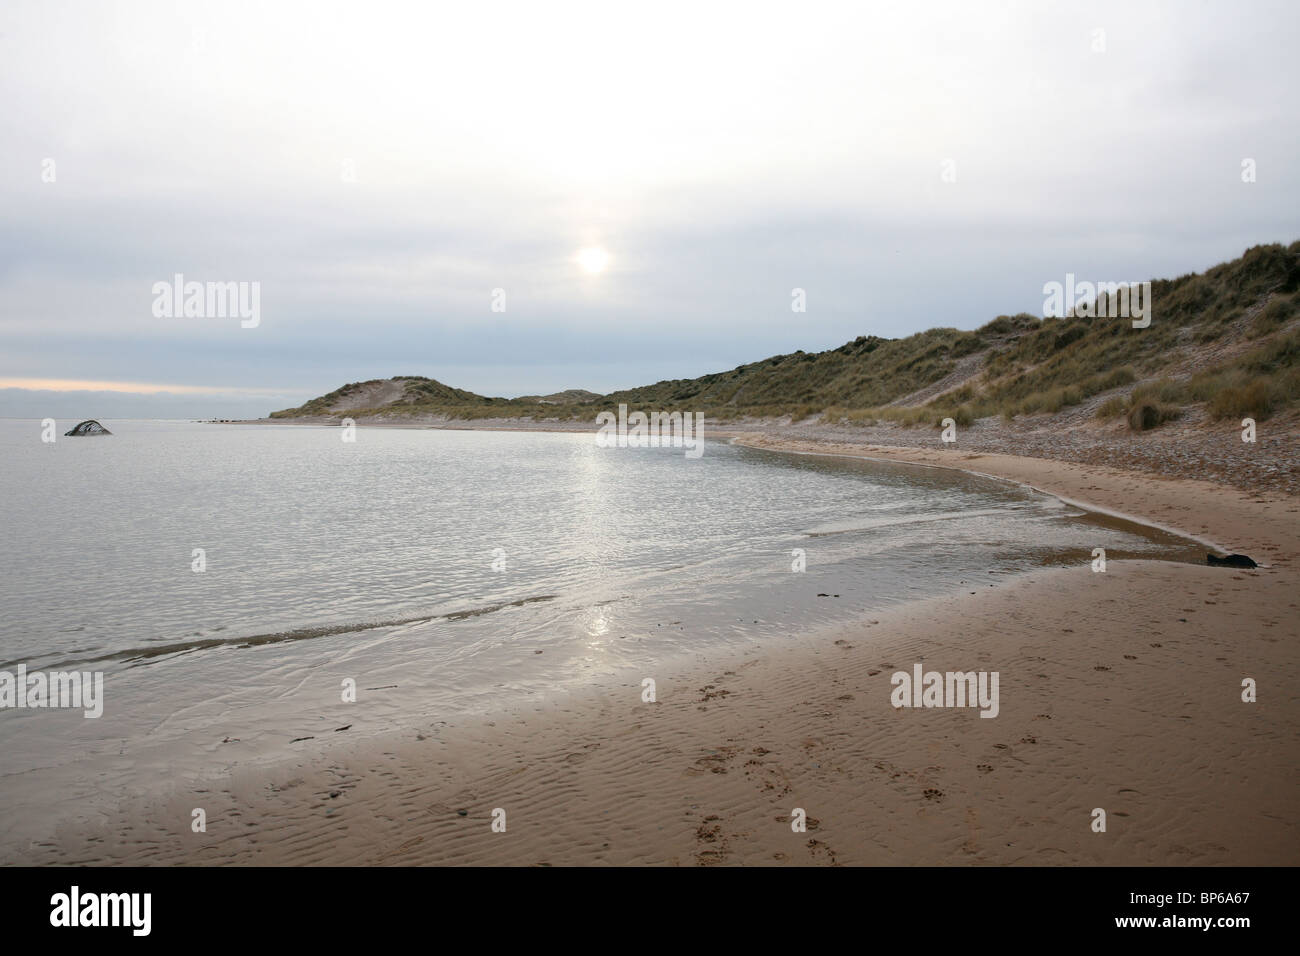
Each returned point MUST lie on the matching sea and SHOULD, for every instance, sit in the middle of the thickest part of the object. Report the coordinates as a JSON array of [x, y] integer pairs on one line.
[[247, 589]]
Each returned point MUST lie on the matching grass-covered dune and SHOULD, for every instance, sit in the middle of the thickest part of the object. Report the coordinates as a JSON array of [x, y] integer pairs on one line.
[[1226, 339]]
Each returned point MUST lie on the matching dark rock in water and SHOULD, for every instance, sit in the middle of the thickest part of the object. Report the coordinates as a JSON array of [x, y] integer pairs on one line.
[[1231, 561], [89, 427]]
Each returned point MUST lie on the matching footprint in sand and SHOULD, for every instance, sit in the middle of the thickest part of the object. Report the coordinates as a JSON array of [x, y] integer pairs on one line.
[[770, 777], [714, 844], [713, 763], [817, 846]]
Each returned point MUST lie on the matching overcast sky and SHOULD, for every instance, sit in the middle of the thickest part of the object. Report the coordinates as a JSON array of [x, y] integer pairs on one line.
[[381, 169]]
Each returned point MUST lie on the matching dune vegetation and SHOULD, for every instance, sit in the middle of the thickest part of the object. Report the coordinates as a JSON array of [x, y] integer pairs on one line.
[[1225, 340]]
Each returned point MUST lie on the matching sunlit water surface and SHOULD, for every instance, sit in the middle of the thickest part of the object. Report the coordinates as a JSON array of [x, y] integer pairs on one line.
[[445, 572]]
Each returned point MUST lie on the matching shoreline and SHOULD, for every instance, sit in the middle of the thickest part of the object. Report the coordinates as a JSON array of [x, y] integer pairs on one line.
[[881, 454], [1194, 447], [577, 762], [760, 436]]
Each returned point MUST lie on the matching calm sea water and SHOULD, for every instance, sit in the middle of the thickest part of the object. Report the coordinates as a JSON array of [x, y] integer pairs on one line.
[[443, 571]]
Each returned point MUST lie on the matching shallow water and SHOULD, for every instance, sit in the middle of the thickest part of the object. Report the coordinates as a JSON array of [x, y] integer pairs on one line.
[[444, 572]]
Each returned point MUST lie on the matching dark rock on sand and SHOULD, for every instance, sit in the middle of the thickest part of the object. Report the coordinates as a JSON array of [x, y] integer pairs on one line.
[[1231, 561]]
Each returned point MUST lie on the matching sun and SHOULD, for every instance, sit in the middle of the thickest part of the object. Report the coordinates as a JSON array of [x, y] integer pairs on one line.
[[593, 260]]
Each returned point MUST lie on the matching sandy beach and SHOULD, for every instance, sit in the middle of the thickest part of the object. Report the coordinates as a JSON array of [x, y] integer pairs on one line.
[[1119, 690]]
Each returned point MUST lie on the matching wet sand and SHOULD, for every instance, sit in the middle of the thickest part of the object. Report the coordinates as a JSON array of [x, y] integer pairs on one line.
[[1118, 690]]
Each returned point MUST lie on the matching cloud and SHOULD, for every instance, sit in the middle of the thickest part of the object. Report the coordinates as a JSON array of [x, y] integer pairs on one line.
[[381, 169]]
